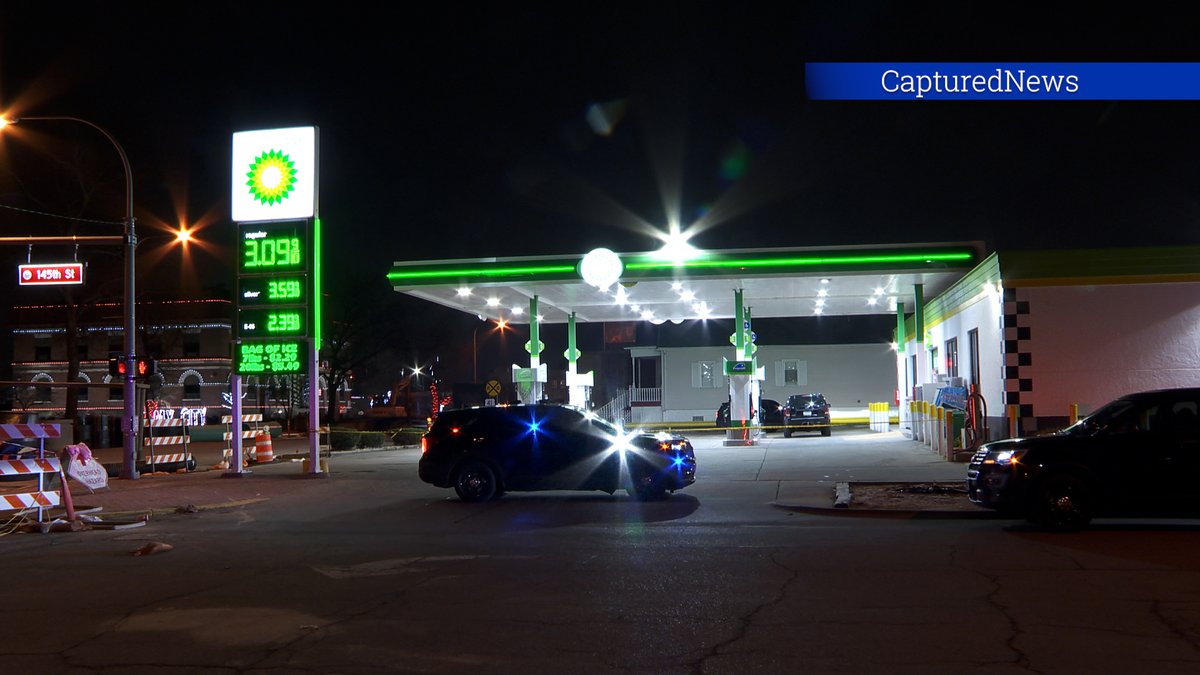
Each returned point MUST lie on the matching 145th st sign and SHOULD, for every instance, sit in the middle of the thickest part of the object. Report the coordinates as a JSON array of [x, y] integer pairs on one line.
[[50, 274]]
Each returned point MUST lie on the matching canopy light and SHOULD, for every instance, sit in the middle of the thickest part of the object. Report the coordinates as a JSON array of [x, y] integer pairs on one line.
[[600, 268]]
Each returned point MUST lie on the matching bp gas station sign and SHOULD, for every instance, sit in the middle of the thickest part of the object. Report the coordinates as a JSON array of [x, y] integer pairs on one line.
[[274, 188]]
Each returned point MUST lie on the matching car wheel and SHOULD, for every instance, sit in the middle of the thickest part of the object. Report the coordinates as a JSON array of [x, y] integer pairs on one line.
[[1063, 504], [644, 489], [476, 482], [827, 430], [787, 433]]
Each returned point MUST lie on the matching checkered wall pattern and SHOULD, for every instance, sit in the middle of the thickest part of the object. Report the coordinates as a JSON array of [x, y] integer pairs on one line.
[[1018, 352]]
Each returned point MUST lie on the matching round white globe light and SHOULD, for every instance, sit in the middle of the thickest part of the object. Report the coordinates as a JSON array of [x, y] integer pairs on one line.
[[601, 268]]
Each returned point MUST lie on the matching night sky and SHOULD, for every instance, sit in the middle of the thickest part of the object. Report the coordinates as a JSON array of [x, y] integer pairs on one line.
[[464, 131]]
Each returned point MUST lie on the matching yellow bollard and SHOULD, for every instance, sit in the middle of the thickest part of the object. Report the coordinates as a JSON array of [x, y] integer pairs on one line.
[[1013, 421], [1073, 415]]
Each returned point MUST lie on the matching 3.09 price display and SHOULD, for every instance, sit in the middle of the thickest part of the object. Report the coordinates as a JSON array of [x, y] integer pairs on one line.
[[274, 247]]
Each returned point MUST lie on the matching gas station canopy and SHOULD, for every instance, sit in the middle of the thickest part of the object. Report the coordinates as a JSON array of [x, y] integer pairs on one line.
[[776, 282]]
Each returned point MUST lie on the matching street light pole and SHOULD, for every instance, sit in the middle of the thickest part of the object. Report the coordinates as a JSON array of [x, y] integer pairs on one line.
[[129, 418]]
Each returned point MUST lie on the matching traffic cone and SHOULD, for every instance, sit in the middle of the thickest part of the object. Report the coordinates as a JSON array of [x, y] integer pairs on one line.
[[262, 448]]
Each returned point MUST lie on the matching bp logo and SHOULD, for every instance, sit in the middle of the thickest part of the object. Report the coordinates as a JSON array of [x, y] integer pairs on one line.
[[272, 177]]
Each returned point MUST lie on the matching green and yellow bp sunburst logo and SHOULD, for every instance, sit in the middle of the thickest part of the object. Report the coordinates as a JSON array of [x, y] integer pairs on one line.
[[272, 177]]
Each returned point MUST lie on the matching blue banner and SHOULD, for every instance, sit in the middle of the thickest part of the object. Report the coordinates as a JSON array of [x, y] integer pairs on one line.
[[1003, 81]]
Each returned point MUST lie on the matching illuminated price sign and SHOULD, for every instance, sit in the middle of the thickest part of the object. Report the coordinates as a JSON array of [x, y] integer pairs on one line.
[[269, 248], [271, 357], [273, 290], [268, 323]]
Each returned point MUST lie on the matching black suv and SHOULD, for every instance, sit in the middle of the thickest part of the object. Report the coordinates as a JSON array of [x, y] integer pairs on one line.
[[1138, 455], [770, 414], [483, 452], [806, 412]]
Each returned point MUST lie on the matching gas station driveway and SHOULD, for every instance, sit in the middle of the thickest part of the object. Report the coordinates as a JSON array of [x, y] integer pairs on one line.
[[803, 470]]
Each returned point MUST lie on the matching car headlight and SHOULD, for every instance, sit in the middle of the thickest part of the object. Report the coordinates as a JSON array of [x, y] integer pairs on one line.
[[1004, 457]]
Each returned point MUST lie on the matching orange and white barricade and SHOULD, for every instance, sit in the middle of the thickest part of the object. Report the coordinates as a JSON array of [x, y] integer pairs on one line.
[[153, 457], [252, 454], [41, 498]]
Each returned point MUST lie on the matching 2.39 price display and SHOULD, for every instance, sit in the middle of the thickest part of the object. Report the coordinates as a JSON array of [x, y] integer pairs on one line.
[[255, 323]]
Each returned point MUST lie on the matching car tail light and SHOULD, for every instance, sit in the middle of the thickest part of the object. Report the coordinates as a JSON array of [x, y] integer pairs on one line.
[[424, 444]]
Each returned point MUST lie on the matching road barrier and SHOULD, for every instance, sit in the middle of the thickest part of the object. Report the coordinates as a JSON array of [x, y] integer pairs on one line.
[[252, 454], [155, 458], [41, 499]]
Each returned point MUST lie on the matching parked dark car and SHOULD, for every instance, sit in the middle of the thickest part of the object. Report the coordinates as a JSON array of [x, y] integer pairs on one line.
[[770, 414], [1137, 455], [806, 412], [484, 452]]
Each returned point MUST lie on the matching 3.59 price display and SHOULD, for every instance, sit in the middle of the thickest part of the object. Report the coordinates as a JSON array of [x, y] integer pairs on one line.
[[272, 290]]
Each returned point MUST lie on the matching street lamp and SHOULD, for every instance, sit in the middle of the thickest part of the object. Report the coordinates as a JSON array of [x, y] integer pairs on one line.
[[501, 324], [129, 417]]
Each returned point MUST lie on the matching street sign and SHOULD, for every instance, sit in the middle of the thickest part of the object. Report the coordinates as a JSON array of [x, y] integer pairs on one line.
[[52, 274], [492, 388]]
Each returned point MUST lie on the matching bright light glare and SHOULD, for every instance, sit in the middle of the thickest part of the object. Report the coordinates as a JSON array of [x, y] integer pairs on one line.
[[183, 235], [501, 324], [647, 314], [518, 311], [676, 286], [880, 291], [872, 301], [463, 292], [824, 281], [820, 302], [687, 296], [675, 246], [823, 292], [493, 302], [622, 296]]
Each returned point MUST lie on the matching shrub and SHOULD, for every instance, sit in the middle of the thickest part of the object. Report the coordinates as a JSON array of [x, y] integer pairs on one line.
[[372, 439], [343, 439]]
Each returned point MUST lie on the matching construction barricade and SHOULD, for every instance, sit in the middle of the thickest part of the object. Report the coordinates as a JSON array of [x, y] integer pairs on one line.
[[41, 498], [250, 455], [157, 437]]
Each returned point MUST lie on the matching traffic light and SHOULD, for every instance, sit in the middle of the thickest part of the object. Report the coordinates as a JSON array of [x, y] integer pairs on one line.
[[143, 367]]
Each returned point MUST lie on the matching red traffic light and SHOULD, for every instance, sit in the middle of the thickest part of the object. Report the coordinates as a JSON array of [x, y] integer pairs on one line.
[[142, 368]]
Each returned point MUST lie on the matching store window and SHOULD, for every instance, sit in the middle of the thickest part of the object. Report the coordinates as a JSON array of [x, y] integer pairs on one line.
[[952, 357]]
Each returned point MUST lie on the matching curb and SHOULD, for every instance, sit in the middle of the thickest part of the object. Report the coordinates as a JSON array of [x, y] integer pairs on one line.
[[899, 514]]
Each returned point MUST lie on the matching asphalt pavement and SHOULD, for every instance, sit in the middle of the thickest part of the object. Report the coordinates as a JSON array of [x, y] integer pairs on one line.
[[808, 470]]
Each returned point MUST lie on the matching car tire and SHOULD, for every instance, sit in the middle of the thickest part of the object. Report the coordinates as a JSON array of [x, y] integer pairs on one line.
[[645, 490], [475, 481], [1063, 504], [827, 430], [787, 433]]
